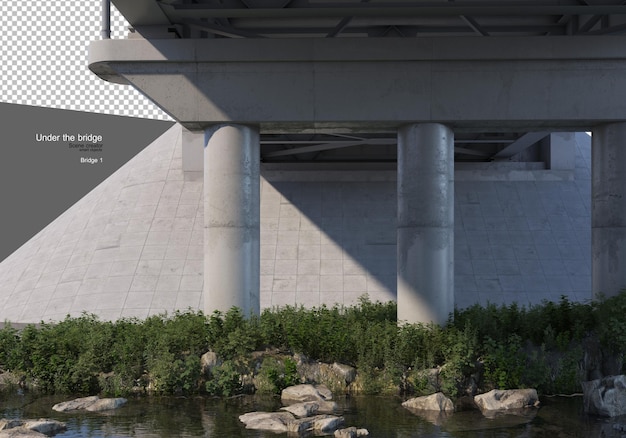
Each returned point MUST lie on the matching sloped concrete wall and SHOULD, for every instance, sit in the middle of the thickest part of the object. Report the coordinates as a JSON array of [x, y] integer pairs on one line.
[[520, 236], [133, 246]]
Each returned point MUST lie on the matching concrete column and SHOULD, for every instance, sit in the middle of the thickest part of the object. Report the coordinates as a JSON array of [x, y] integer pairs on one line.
[[608, 215], [425, 223], [231, 218]]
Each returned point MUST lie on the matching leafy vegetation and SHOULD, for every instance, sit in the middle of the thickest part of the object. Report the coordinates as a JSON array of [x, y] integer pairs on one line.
[[479, 348]]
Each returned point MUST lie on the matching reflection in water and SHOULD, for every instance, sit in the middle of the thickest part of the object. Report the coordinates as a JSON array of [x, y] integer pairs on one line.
[[382, 416]]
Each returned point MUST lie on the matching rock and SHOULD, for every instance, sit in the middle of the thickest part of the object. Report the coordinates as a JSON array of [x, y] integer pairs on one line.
[[30, 428], [45, 426], [498, 399], [305, 393], [351, 432], [346, 371], [434, 402], [326, 424], [20, 432], [605, 397], [306, 409], [76, 404], [427, 380], [10, 424], [267, 421], [208, 361], [92, 404], [301, 410], [106, 404], [338, 377]]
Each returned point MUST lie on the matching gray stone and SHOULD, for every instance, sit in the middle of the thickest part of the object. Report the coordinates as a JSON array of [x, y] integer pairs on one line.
[[498, 399], [605, 397], [20, 432], [106, 404], [434, 402], [92, 404], [306, 409], [208, 361], [10, 424], [30, 428], [351, 432], [45, 426], [268, 421], [305, 393], [327, 423], [76, 404], [346, 371]]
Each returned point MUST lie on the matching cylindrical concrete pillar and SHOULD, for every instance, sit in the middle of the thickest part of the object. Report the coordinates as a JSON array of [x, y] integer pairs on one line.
[[425, 223], [231, 218], [608, 209]]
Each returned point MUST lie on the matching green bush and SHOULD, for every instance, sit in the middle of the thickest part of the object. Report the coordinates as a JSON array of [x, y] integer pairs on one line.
[[516, 346], [226, 380]]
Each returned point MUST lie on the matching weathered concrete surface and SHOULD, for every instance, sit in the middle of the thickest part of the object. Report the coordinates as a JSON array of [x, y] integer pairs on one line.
[[232, 219], [519, 83], [425, 223], [608, 214]]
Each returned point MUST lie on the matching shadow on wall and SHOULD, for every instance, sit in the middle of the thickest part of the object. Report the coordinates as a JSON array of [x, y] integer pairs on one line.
[[515, 241], [327, 242]]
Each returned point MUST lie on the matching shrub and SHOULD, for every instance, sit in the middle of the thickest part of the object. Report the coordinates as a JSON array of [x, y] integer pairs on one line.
[[517, 346]]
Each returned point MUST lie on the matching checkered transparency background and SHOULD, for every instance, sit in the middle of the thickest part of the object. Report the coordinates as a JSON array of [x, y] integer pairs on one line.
[[43, 59]]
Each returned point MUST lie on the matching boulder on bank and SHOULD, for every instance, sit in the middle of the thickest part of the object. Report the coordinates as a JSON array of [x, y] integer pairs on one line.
[[498, 399], [268, 421], [605, 397], [208, 362], [91, 404], [30, 428], [434, 402], [20, 432], [305, 393], [351, 432], [318, 424], [307, 409], [281, 422]]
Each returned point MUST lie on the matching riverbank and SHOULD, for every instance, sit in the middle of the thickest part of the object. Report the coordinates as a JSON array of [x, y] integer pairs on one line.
[[361, 349]]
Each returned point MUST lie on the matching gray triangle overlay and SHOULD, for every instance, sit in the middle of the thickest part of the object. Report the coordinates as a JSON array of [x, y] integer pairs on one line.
[[41, 176]]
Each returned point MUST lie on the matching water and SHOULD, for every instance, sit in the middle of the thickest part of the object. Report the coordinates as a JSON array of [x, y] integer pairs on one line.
[[382, 416]]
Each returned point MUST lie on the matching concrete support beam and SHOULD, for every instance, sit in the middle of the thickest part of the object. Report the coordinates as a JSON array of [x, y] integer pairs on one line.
[[425, 223], [349, 84], [193, 150], [559, 151], [232, 218], [608, 216]]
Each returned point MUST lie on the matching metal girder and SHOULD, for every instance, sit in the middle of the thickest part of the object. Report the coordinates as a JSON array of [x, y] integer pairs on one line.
[[227, 31], [342, 10], [474, 25], [328, 146], [525, 141], [467, 151]]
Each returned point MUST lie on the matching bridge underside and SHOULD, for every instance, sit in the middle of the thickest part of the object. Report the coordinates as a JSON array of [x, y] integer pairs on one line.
[[416, 104]]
